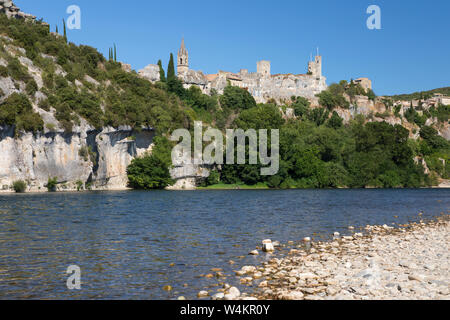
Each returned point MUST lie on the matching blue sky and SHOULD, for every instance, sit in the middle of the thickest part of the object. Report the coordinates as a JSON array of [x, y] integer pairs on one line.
[[410, 53]]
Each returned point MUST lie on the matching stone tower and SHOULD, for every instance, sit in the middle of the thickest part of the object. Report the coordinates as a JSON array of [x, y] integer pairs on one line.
[[318, 66], [263, 68], [315, 67], [183, 59]]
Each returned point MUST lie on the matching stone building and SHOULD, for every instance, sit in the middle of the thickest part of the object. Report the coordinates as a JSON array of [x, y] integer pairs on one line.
[[366, 83], [12, 11], [183, 59], [262, 84]]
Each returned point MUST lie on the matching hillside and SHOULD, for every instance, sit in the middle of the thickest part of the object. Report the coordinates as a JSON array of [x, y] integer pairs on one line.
[[66, 83], [71, 119], [422, 94]]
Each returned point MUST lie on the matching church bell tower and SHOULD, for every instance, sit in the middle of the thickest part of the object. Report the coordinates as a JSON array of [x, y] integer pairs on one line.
[[183, 59]]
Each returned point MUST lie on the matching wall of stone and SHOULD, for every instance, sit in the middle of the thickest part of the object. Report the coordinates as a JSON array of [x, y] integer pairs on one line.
[[9, 8], [36, 158]]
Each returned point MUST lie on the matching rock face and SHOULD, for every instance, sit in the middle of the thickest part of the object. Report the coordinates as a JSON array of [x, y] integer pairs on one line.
[[188, 176], [197, 78], [150, 72], [7, 7], [96, 158]]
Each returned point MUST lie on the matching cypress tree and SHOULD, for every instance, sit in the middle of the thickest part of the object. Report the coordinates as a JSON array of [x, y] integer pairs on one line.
[[171, 69], [115, 53], [56, 30], [65, 32], [162, 74]]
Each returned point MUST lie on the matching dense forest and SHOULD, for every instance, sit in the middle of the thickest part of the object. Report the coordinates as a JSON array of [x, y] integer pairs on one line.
[[317, 149]]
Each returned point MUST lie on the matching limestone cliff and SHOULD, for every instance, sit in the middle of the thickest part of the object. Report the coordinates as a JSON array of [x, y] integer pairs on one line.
[[97, 159]]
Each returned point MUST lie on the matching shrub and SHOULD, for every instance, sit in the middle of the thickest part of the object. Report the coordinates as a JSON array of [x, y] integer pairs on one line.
[[301, 106], [19, 186], [17, 110], [214, 178], [152, 171], [79, 184], [330, 100], [87, 154], [51, 184], [44, 104], [237, 98], [51, 127], [4, 72], [17, 71], [31, 87]]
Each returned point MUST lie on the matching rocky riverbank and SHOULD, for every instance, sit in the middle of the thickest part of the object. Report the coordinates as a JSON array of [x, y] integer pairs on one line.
[[410, 262]]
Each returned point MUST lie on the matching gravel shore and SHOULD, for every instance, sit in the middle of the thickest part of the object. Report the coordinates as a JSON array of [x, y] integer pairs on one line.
[[410, 262]]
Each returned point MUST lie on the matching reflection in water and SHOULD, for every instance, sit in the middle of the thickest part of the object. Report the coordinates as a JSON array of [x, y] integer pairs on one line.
[[131, 244]]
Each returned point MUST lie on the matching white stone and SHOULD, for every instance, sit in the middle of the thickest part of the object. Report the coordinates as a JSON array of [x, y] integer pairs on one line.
[[203, 294]]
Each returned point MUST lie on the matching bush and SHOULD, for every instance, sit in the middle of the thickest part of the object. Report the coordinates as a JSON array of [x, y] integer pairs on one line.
[[17, 110], [237, 98], [79, 184], [17, 71], [214, 178], [4, 72], [31, 87], [330, 101], [87, 154], [152, 171], [301, 106], [44, 104], [19, 186], [51, 184]]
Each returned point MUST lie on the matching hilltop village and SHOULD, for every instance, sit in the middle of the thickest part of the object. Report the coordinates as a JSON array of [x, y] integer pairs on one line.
[[262, 84]]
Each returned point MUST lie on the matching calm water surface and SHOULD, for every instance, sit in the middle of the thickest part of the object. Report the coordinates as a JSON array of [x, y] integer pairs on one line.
[[125, 242]]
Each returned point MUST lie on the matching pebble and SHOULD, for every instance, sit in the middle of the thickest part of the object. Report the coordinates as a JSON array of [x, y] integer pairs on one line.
[[268, 246], [203, 294], [218, 296], [410, 263]]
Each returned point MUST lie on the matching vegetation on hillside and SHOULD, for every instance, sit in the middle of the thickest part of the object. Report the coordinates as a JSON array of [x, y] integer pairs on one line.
[[421, 95], [79, 82], [317, 149]]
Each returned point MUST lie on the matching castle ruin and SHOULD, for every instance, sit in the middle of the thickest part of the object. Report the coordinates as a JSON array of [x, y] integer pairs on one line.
[[262, 84]]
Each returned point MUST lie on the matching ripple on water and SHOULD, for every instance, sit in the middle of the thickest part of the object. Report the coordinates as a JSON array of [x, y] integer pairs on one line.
[[129, 245]]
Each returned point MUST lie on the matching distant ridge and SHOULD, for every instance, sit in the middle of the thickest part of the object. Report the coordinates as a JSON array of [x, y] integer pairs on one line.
[[421, 94]]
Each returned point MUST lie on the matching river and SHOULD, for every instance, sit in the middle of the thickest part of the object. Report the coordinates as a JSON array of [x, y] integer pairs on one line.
[[131, 244]]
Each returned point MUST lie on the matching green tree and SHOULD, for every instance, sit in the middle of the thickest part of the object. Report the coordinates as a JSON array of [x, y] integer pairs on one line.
[[19, 186], [65, 31], [301, 106], [152, 171], [17, 110], [265, 116], [335, 121], [51, 184], [162, 74], [171, 69], [237, 98]]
